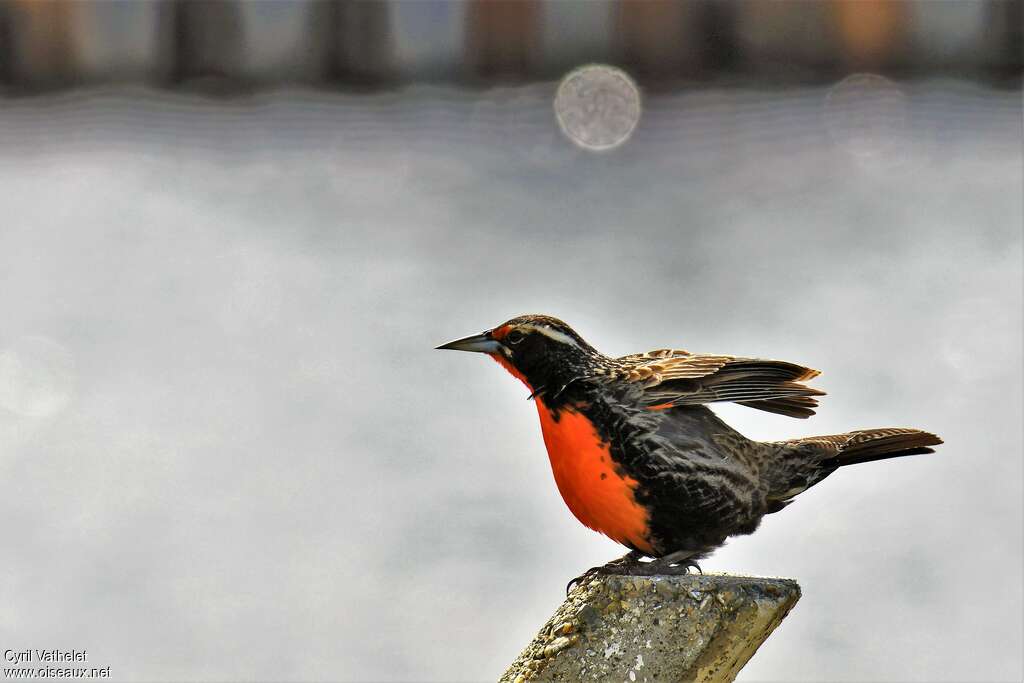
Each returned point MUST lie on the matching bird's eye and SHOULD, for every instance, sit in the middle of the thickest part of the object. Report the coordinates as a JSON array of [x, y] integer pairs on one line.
[[514, 337]]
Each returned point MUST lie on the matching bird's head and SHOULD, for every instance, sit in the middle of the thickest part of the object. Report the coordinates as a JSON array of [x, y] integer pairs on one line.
[[540, 350]]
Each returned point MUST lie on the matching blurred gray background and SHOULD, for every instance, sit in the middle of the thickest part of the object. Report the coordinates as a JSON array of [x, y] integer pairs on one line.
[[232, 235]]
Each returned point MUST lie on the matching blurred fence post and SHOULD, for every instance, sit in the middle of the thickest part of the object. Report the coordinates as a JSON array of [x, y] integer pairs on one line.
[[38, 42], [235, 44]]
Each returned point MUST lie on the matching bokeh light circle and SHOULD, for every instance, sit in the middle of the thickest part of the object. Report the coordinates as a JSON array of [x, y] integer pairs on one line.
[[597, 106]]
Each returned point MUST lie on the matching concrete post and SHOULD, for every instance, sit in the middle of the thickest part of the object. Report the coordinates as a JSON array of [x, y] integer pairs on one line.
[[656, 628]]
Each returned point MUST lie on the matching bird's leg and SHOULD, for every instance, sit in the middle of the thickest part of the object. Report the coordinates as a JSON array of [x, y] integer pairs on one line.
[[678, 562], [622, 565]]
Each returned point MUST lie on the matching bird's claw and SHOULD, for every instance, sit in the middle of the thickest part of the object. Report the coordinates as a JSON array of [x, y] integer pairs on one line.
[[685, 566], [630, 565], [621, 565], [582, 578]]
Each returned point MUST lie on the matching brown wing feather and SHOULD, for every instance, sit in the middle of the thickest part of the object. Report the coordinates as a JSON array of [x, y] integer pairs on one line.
[[683, 378], [801, 407], [651, 355]]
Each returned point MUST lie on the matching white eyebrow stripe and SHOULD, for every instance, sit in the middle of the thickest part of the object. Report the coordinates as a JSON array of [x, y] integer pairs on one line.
[[552, 334]]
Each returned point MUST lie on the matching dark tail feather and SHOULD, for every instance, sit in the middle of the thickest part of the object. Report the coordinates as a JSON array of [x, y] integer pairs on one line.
[[811, 459], [868, 445]]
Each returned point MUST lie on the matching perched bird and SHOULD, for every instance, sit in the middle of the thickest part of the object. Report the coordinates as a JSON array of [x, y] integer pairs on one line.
[[638, 456]]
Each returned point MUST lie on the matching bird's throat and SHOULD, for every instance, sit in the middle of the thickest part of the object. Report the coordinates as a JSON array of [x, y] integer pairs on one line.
[[512, 370]]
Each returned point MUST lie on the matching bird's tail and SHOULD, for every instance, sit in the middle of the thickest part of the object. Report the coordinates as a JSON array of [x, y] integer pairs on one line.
[[867, 445], [805, 462]]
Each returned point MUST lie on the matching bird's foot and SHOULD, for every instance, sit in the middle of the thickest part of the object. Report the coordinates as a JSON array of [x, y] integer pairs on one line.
[[622, 565], [674, 564]]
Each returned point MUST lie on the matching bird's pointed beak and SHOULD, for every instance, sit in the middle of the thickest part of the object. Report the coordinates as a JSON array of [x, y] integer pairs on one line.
[[480, 343]]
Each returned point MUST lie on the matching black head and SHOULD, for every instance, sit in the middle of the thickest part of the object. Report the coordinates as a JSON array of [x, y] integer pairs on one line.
[[540, 350]]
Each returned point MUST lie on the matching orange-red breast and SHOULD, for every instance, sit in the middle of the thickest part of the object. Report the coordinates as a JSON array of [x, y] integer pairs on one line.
[[638, 456]]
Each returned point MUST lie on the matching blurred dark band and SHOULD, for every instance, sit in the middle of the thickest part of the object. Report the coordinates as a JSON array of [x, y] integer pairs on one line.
[[231, 45]]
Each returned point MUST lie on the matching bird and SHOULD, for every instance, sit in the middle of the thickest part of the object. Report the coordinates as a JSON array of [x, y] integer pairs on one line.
[[638, 455]]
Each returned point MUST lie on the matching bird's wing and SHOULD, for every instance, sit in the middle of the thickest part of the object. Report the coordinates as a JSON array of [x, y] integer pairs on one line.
[[670, 377], [653, 355]]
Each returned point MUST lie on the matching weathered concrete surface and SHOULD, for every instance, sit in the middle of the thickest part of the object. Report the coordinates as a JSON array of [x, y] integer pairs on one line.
[[656, 628]]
